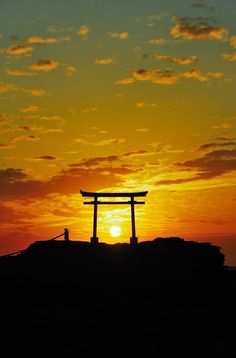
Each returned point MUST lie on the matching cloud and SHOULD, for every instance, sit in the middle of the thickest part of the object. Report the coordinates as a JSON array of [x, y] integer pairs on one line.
[[199, 4], [144, 104], [18, 73], [167, 76], [222, 126], [44, 65], [212, 165], [94, 162], [6, 87], [104, 61], [230, 57], [17, 184], [158, 41], [233, 41], [20, 49], [49, 40], [143, 130], [5, 146], [89, 110], [111, 141], [179, 60], [35, 92], [70, 70], [46, 157], [31, 138], [125, 81], [119, 35], [83, 32], [29, 109], [216, 145], [195, 73], [156, 76], [196, 29]]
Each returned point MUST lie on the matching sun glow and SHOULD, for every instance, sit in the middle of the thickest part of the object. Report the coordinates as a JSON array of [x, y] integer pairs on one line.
[[115, 231]]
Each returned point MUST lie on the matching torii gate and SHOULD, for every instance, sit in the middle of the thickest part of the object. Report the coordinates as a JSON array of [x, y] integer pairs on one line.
[[96, 202]]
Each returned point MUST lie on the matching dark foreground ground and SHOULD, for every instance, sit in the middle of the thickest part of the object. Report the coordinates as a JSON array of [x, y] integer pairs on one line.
[[164, 298]]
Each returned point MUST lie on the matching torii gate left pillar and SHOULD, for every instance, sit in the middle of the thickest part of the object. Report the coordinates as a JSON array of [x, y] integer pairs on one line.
[[96, 202]]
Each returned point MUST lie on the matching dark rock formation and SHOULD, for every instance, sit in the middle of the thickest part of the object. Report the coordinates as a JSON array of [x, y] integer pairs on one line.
[[166, 297]]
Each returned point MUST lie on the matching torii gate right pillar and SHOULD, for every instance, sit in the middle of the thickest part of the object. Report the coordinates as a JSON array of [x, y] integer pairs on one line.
[[133, 239]]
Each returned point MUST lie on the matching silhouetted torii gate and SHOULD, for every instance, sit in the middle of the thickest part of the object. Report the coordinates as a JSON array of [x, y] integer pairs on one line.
[[96, 202]]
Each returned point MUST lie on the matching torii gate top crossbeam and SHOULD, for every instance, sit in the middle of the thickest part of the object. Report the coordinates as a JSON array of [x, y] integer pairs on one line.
[[112, 195]]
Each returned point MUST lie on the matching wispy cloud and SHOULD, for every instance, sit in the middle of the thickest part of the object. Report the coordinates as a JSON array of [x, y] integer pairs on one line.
[[46, 40], [230, 57], [84, 32], [46, 157], [157, 41], [167, 76], [179, 60], [44, 65], [19, 49], [71, 70], [119, 35], [29, 109], [17, 73], [145, 104], [195, 29], [104, 61], [212, 165]]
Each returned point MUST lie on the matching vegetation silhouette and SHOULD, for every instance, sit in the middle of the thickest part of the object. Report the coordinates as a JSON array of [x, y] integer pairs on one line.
[[160, 297]]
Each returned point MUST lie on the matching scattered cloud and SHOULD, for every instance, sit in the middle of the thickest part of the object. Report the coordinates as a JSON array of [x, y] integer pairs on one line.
[[199, 4], [216, 145], [48, 40], [29, 109], [46, 157], [212, 165], [156, 76], [233, 41], [167, 76], [70, 70], [222, 126], [125, 81], [55, 29], [104, 61], [230, 57], [179, 60], [17, 184], [83, 32], [104, 142], [31, 138], [195, 73], [143, 130], [19, 49], [44, 65], [90, 110], [196, 29], [6, 87], [144, 104], [157, 41], [119, 35], [36, 92], [17, 73]]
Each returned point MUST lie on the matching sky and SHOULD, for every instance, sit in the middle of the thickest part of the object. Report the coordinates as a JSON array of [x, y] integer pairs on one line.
[[128, 95]]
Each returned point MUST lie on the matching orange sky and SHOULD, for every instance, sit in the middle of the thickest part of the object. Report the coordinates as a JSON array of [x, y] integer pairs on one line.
[[118, 96]]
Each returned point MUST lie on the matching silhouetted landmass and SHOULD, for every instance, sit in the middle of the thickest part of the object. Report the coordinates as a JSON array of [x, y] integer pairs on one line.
[[161, 297]]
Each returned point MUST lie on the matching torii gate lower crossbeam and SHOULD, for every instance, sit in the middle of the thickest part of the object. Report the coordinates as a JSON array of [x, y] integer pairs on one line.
[[96, 202]]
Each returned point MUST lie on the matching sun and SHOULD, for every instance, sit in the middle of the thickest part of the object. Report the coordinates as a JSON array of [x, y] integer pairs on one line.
[[115, 231]]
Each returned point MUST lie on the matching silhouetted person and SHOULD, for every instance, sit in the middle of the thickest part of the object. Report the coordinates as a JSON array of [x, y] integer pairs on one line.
[[66, 234]]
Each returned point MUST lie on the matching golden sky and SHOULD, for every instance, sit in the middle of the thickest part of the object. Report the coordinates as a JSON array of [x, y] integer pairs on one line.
[[106, 95]]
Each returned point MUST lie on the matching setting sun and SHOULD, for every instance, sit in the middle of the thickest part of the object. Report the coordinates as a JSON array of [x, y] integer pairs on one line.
[[115, 231]]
